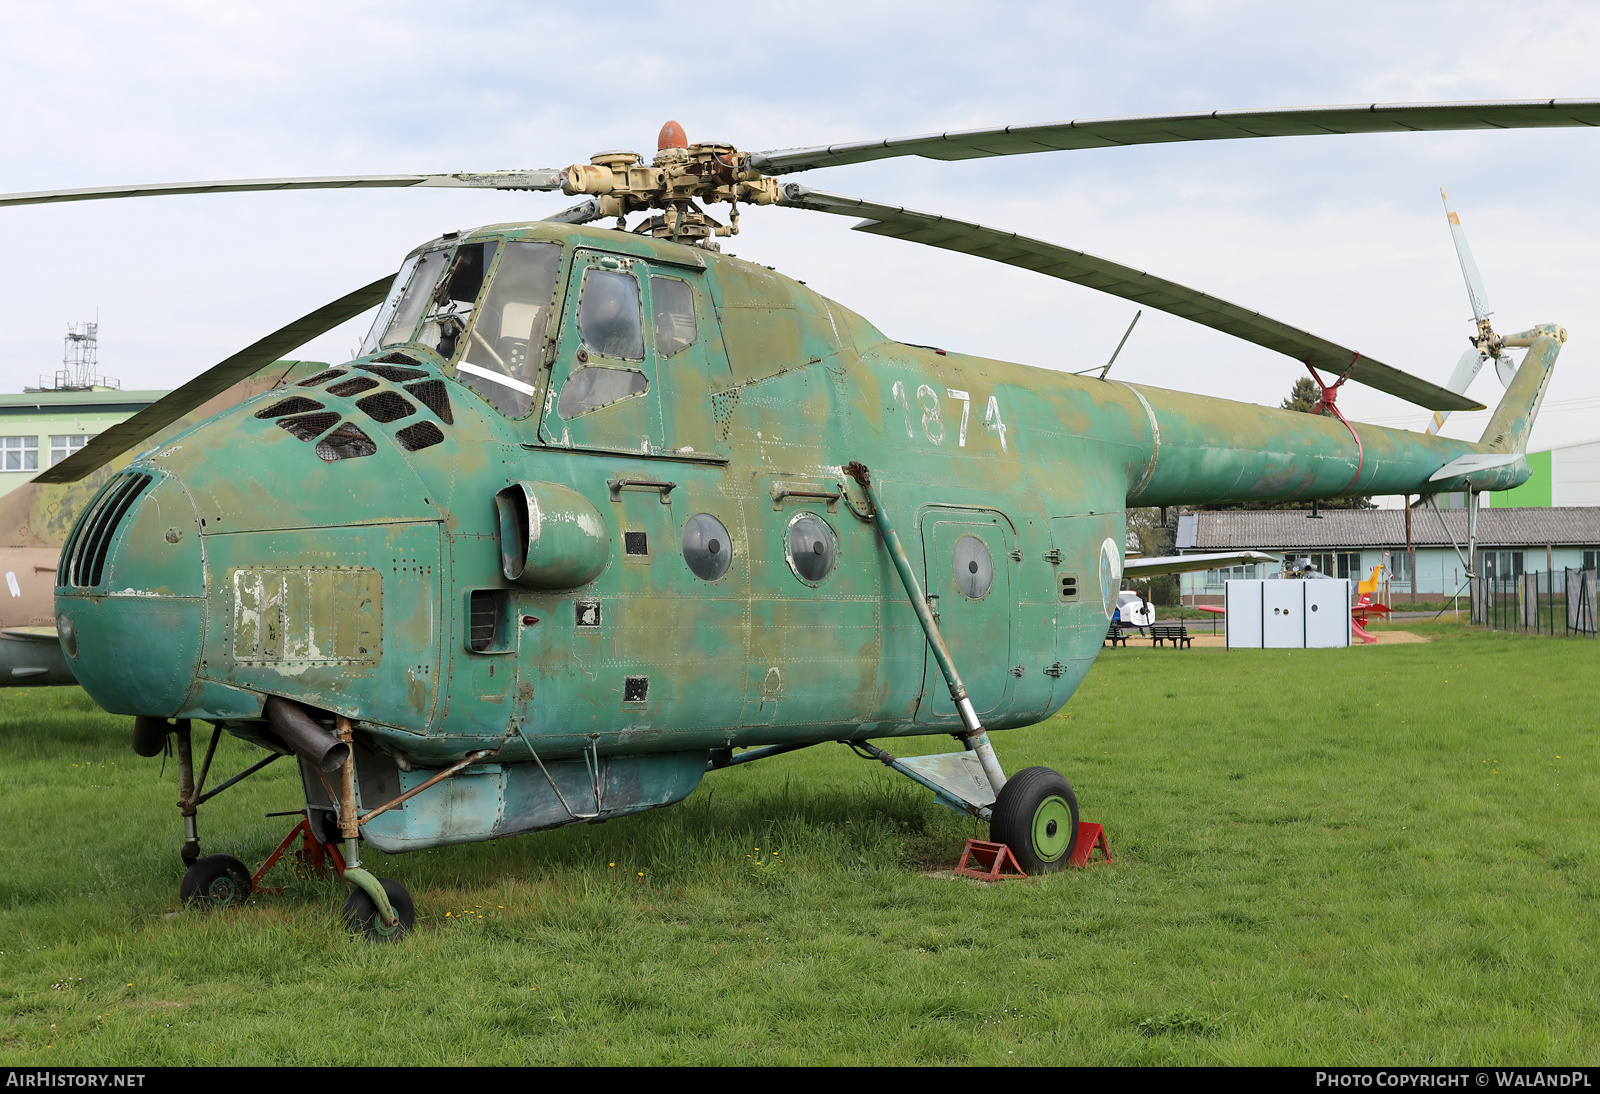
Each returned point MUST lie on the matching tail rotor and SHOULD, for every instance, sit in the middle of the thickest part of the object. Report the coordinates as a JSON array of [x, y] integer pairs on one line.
[[1486, 345]]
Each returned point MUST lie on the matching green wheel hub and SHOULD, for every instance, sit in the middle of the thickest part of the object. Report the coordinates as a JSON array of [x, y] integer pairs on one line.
[[1052, 828]]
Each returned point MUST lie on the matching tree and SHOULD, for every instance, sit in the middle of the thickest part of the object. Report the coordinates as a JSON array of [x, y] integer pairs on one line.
[[1302, 397]]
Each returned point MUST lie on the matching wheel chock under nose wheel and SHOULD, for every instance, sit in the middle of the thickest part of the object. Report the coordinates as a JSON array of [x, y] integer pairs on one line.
[[988, 862], [1090, 836]]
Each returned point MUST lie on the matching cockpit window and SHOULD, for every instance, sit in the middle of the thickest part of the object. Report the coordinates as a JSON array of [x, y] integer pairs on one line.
[[407, 311], [673, 302], [608, 315], [501, 360], [451, 303]]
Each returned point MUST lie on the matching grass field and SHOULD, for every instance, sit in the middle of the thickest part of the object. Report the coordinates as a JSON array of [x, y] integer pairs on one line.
[[1378, 855]]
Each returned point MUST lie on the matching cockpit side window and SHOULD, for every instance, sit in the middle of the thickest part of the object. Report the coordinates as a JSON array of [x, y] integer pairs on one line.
[[673, 302], [608, 315], [414, 300], [501, 360], [456, 293]]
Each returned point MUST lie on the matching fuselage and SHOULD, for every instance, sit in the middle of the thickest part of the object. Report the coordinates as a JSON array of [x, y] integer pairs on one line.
[[337, 541]]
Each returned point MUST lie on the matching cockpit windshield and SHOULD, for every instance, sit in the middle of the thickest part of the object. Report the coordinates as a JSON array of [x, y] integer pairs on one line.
[[501, 360]]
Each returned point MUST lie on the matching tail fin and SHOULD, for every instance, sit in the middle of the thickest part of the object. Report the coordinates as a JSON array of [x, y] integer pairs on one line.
[[1512, 421]]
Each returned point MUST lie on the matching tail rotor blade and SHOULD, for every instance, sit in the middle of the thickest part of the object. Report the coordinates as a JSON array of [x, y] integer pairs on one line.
[[1461, 378], [1469, 268], [1505, 368], [216, 379]]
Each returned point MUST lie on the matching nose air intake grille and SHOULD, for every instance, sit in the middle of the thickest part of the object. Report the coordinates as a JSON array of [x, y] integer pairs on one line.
[[432, 394], [299, 404], [386, 406], [353, 387], [345, 443], [83, 560], [392, 374], [396, 358], [420, 435], [321, 377]]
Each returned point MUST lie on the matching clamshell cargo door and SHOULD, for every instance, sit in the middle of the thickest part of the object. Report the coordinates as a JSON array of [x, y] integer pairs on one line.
[[604, 391], [967, 579]]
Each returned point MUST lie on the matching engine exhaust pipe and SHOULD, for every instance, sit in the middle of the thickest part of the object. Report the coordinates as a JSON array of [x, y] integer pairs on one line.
[[303, 735]]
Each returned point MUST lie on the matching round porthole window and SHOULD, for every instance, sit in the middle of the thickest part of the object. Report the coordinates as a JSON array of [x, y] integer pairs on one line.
[[812, 548], [974, 567], [706, 546]]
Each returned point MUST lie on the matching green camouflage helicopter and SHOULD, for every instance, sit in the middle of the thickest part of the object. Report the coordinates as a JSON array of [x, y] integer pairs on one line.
[[595, 511]]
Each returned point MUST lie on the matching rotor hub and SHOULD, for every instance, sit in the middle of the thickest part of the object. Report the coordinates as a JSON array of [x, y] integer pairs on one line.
[[680, 175]]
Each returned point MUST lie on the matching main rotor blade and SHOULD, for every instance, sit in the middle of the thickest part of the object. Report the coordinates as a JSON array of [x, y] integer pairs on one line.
[[216, 379], [1130, 284], [1013, 140], [487, 180]]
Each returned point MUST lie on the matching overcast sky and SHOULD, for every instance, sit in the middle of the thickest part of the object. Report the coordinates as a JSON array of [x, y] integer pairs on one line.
[[1344, 236]]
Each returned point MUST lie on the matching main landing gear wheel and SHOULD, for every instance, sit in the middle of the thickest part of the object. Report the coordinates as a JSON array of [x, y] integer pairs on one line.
[[1036, 816], [215, 881], [361, 913]]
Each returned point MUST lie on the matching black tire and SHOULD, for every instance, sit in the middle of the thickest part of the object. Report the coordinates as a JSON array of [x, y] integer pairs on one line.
[[361, 913], [1031, 817], [215, 881]]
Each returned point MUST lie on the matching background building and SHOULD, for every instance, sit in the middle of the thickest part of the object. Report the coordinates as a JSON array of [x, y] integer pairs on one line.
[[1569, 475], [1349, 542], [42, 428]]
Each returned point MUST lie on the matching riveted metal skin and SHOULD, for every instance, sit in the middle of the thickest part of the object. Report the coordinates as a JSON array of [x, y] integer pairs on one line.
[[251, 568]]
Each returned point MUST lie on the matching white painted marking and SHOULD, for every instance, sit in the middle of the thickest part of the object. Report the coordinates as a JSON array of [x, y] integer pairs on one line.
[[495, 377], [991, 419], [11, 583], [966, 410]]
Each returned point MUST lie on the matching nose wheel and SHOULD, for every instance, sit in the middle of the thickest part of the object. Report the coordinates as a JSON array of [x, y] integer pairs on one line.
[[361, 913], [1036, 815]]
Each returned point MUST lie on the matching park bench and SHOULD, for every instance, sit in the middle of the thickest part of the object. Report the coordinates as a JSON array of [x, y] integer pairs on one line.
[[1115, 636], [1176, 633]]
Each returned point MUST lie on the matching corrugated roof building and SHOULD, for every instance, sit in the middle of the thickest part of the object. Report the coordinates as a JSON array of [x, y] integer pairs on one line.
[[1350, 542]]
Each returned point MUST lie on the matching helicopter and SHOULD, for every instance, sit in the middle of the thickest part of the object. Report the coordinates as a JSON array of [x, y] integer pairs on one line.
[[595, 511]]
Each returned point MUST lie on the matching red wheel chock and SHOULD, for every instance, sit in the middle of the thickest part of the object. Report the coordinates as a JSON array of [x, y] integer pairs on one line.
[[1090, 836], [993, 862]]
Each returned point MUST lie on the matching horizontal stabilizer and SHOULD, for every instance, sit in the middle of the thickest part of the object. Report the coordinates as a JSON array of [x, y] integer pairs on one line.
[[1184, 564], [1466, 465]]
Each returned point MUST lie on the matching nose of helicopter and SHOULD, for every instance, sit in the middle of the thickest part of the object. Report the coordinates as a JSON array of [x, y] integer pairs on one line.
[[130, 588]]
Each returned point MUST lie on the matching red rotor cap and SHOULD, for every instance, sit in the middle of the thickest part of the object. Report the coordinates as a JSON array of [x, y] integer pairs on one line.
[[672, 136]]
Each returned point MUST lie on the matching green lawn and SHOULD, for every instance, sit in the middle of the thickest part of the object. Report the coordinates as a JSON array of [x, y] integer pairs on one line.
[[1374, 855]]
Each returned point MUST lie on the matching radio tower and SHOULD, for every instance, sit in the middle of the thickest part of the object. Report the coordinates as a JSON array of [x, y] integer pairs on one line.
[[80, 361]]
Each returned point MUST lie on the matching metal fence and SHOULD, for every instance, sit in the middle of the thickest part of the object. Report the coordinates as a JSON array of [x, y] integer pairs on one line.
[[1554, 602]]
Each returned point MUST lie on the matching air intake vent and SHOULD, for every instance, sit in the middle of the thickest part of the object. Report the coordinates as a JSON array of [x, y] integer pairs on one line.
[[310, 426], [354, 386], [297, 405], [392, 374], [421, 435], [396, 358], [345, 443], [386, 406], [433, 395], [486, 630], [84, 558], [322, 377]]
